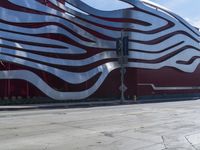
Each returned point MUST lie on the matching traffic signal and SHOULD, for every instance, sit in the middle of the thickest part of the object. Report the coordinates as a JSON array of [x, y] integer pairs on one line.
[[125, 46], [122, 46], [119, 46]]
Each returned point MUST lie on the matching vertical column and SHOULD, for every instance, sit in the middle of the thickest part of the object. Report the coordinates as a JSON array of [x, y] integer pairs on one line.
[[122, 49]]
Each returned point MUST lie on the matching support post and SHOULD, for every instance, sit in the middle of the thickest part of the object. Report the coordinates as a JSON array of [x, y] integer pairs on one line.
[[122, 52]]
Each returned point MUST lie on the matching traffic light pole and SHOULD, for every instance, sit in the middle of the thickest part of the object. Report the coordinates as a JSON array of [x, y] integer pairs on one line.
[[122, 52], [122, 81], [122, 70]]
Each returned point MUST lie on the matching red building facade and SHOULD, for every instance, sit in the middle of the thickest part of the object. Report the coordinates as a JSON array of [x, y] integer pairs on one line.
[[49, 49]]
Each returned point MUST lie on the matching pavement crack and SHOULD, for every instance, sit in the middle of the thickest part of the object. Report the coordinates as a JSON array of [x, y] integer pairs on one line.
[[164, 143], [190, 143]]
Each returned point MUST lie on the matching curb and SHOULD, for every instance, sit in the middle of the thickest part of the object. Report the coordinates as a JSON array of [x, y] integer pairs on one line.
[[60, 105], [88, 104]]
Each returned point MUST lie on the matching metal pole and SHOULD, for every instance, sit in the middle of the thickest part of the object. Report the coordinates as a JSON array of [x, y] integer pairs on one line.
[[122, 53], [122, 69], [122, 81]]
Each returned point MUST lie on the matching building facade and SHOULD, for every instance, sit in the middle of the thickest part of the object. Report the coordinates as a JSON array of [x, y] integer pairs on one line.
[[48, 49]]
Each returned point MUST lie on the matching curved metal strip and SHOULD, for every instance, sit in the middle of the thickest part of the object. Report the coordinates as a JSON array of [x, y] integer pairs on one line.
[[33, 48], [137, 15], [70, 77], [106, 32], [170, 88], [164, 44], [171, 62], [46, 89], [166, 15], [164, 41], [90, 10], [58, 61], [23, 17], [186, 24], [43, 30]]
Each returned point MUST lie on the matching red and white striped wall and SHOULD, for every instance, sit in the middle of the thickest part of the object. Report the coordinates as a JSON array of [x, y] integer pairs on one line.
[[50, 49]]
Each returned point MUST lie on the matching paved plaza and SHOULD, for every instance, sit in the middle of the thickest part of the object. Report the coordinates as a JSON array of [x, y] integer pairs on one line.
[[155, 126]]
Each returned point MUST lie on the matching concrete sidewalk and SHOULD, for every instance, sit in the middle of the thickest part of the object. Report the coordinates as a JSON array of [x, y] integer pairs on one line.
[[156, 126], [88, 104]]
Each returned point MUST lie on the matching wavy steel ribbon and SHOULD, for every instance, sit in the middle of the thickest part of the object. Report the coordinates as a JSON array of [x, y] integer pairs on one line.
[[76, 46]]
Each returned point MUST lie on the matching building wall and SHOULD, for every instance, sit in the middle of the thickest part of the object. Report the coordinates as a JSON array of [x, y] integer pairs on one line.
[[51, 50]]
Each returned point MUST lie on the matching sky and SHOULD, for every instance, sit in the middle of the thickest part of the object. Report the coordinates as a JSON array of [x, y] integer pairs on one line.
[[188, 9]]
